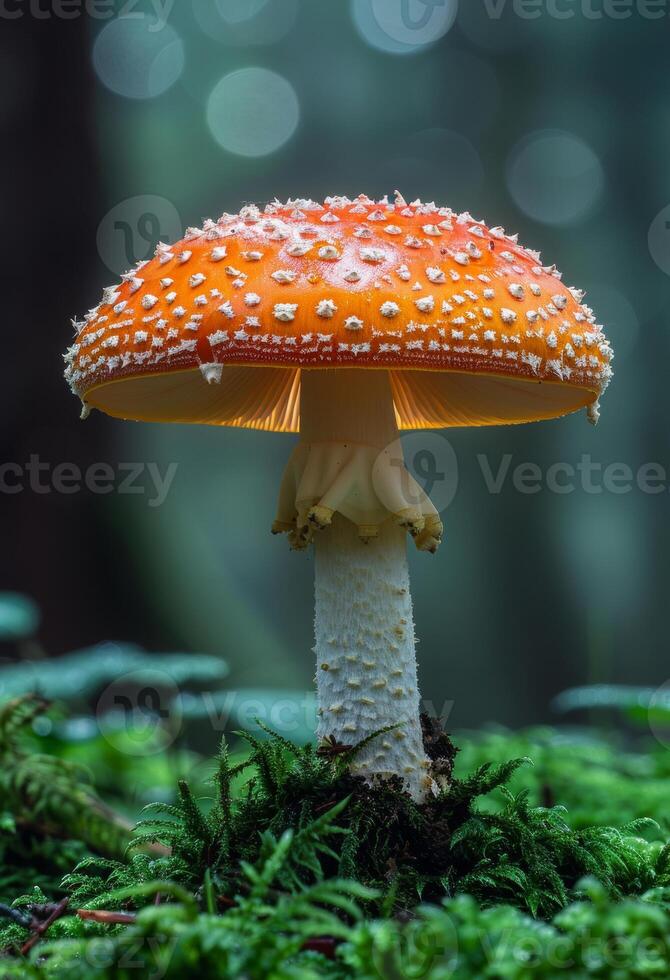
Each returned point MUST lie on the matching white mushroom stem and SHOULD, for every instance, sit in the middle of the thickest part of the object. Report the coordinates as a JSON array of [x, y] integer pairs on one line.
[[346, 488], [365, 652]]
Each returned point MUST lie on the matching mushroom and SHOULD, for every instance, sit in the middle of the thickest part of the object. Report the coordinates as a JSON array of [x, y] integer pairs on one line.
[[346, 322]]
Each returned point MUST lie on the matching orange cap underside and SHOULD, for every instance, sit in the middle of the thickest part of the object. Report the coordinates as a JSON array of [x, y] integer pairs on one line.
[[412, 289]]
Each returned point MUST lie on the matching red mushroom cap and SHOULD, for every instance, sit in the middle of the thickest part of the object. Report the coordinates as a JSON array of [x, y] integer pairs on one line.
[[472, 328]]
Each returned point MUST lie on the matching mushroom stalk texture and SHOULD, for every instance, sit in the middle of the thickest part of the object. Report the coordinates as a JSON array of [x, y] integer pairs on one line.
[[347, 483], [365, 652]]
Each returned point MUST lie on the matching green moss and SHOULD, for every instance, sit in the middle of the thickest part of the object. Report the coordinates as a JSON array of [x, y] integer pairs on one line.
[[46, 797], [513, 852], [601, 779], [321, 932], [291, 867]]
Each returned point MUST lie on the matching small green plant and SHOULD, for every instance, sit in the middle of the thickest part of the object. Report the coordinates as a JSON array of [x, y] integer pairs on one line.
[[46, 796], [321, 932], [595, 936], [264, 931], [600, 777]]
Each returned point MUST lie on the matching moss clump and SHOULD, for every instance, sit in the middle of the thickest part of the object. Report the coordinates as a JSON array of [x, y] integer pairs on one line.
[[292, 867], [376, 835]]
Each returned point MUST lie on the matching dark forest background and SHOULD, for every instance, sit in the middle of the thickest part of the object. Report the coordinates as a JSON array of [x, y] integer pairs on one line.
[[557, 129]]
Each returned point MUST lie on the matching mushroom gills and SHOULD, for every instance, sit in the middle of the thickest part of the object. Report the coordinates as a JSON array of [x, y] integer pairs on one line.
[[267, 397]]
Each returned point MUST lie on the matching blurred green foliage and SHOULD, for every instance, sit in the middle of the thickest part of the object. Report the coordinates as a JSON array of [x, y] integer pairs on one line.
[[19, 616], [79, 675], [279, 913]]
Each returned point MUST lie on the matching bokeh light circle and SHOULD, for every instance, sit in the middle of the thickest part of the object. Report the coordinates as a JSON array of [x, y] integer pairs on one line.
[[136, 61], [19, 618], [403, 26], [253, 111], [554, 177], [235, 11], [658, 240]]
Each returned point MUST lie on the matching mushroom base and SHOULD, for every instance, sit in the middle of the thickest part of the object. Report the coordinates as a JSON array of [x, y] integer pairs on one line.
[[365, 650]]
